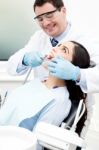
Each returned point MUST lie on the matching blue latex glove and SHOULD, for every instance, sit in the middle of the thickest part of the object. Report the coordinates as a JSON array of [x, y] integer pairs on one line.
[[63, 69], [33, 59]]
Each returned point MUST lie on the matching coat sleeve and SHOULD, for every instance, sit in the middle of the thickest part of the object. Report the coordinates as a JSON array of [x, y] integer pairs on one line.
[[90, 77], [15, 61]]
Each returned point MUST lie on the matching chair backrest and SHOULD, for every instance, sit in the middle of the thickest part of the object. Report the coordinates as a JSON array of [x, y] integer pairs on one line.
[[68, 122], [76, 113], [71, 116], [57, 138], [89, 105]]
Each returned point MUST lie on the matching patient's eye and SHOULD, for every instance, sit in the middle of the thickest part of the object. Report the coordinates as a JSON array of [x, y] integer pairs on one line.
[[63, 48]]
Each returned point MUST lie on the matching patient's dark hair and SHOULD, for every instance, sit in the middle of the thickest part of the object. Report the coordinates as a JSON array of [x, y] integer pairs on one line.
[[56, 3], [81, 59]]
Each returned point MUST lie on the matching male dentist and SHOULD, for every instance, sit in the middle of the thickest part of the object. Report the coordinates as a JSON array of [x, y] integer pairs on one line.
[[51, 17]]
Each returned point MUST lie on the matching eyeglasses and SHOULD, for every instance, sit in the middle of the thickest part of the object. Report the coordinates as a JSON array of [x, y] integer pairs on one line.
[[48, 15]]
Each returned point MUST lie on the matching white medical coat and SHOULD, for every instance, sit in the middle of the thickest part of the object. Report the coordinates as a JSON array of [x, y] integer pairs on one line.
[[40, 41]]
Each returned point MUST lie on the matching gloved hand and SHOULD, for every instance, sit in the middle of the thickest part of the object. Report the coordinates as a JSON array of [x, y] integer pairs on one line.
[[63, 69], [33, 59]]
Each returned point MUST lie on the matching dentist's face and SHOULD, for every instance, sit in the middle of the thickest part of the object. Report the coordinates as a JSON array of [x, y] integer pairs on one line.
[[50, 19]]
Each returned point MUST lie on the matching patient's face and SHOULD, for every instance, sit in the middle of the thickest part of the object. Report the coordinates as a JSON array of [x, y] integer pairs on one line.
[[65, 50]]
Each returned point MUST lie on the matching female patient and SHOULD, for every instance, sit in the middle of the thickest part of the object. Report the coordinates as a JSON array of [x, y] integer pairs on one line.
[[63, 92], [79, 56]]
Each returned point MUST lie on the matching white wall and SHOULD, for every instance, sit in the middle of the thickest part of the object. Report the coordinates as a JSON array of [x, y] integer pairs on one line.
[[84, 14], [16, 25]]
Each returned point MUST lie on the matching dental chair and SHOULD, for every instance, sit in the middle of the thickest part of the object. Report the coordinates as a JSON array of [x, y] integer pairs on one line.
[[51, 137]]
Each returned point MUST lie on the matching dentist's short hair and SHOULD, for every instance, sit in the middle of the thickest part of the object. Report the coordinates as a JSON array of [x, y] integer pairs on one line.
[[56, 3]]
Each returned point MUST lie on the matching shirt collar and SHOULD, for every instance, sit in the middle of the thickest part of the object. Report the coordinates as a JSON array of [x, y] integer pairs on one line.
[[61, 36]]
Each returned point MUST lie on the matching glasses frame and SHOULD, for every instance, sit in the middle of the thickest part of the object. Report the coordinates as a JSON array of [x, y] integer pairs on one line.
[[46, 14]]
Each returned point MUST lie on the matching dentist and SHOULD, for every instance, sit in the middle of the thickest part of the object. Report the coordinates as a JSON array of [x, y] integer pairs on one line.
[[55, 28]]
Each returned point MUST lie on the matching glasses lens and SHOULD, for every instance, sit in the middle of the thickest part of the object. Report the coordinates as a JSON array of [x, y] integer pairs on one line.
[[46, 15], [50, 14]]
